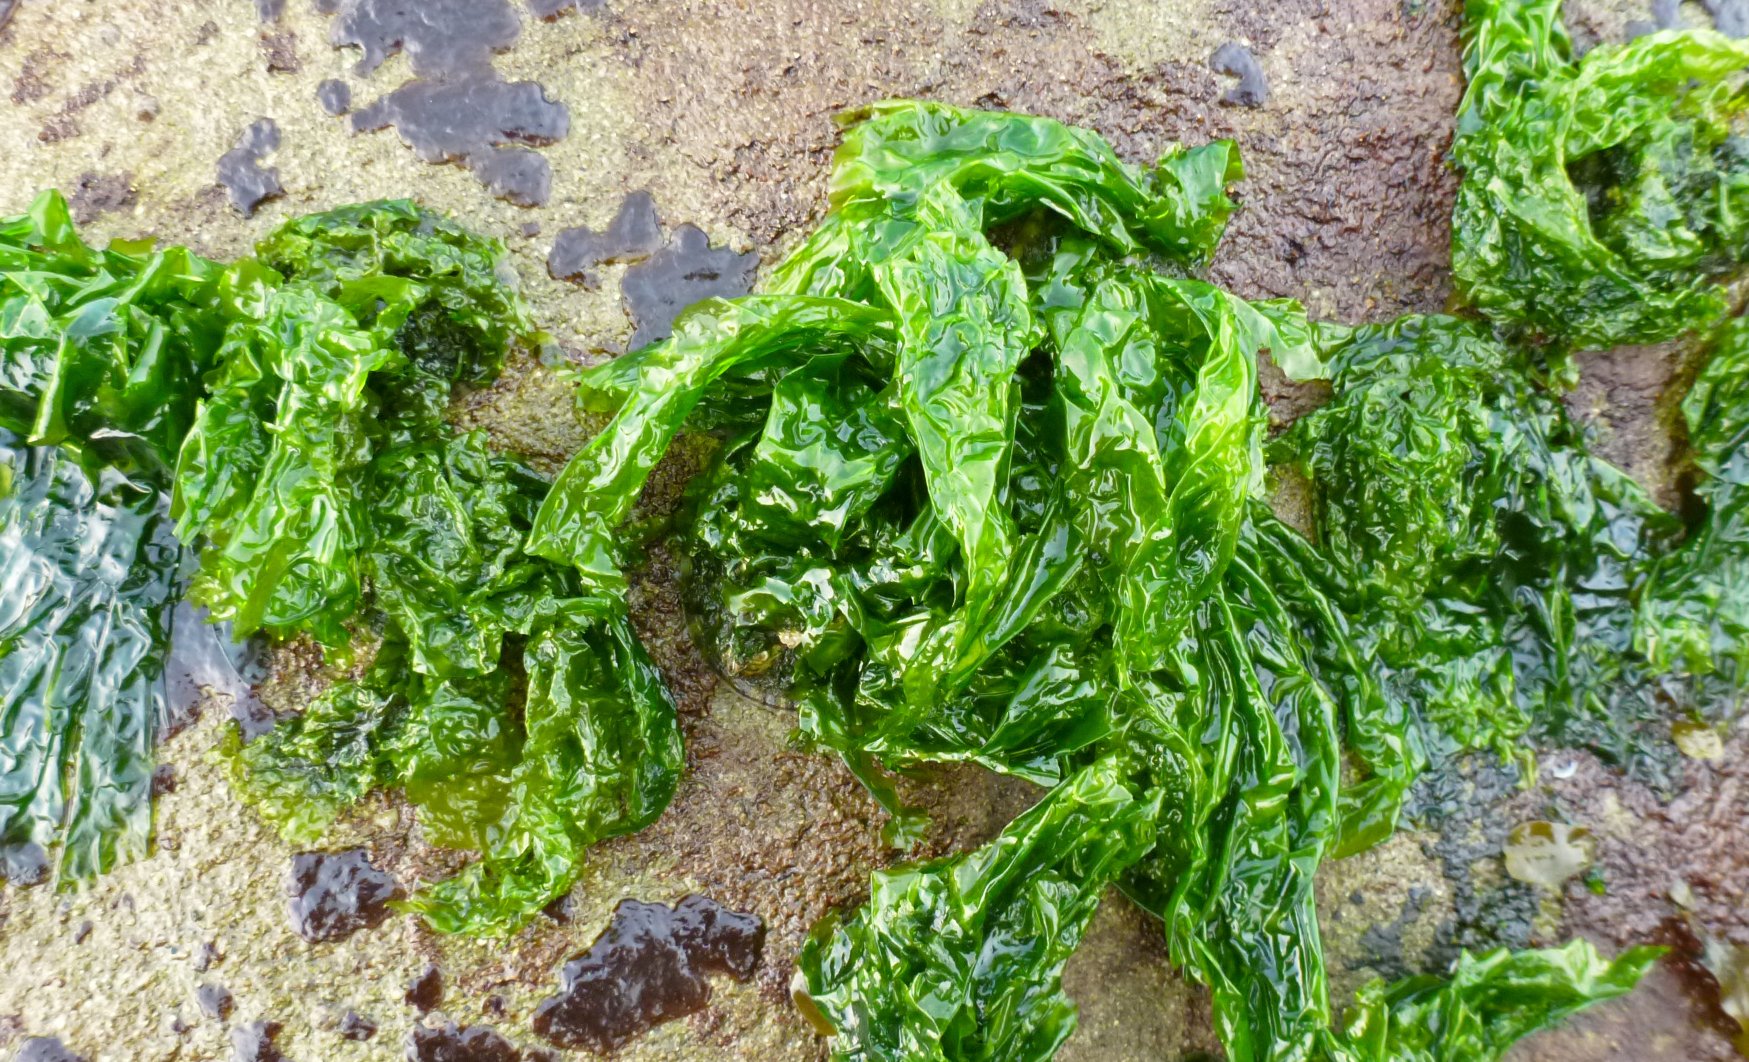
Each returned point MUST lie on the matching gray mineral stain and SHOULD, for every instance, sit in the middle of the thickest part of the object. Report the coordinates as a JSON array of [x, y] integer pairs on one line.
[[215, 1001], [686, 270], [634, 233], [355, 1026], [254, 1042], [240, 170], [457, 108], [450, 1043], [649, 966], [335, 96], [552, 9], [24, 863], [205, 661], [1236, 60], [335, 894], [95, 194], [1730, 17], [45, 1048]]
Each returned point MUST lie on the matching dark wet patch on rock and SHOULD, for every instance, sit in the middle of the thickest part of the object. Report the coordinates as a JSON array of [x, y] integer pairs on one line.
[[475, 122], [1236, 60], [336, 894], [440, 37], [426, 991], [46, 1048], [634, 233], [97, 193], [456, 109], [254, 1042], [335, 96], [1460, 803], [269, 10], [281, 52], [649, 966], [215, 1001], [24, 864], [7, 7], [355, 1026], [686, 270], [450, 1043], [34, 78], [246, 181]]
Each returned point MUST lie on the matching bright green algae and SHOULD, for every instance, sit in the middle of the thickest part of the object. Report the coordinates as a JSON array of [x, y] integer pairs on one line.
[[989, 490]]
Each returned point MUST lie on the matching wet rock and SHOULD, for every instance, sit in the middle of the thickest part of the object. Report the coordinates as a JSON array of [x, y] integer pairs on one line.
[[355, 1026], [426, 991], [649, 966], [206, 956], [246, 181], [25, 864], [45, 1048], [634, 233], [1236, 60], [456, 109], [269, 10], [335, 894], [215, 1001], [335, 96], [254, 1042], [552, 9], [440, 37], [470, 121], [686, 270], [97, 193], [7, 7], [1730, 17], [450, 1043], [281, 52]]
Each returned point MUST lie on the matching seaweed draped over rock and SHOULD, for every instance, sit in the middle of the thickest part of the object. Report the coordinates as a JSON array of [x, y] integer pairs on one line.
[[1602, 198], [285, 415], [990, 491]]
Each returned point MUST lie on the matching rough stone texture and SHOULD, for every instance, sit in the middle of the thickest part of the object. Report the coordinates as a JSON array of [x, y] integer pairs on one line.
[[724, 111]]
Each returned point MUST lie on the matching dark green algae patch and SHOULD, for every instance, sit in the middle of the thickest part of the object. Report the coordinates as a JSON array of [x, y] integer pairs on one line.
[[990, 489]]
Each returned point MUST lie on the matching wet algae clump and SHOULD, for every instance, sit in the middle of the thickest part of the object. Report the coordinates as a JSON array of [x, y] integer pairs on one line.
[[990, 489]]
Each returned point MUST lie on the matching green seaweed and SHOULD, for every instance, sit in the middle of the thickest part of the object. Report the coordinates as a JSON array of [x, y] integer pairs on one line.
[[1603, 197], [1694, 610]]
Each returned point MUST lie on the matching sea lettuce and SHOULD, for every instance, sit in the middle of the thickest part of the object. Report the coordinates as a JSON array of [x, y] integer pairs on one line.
[[285, 416], [96, 347], [962, 957], [346, 335], [1603, 197], [1694, 610], [1496, 563]]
